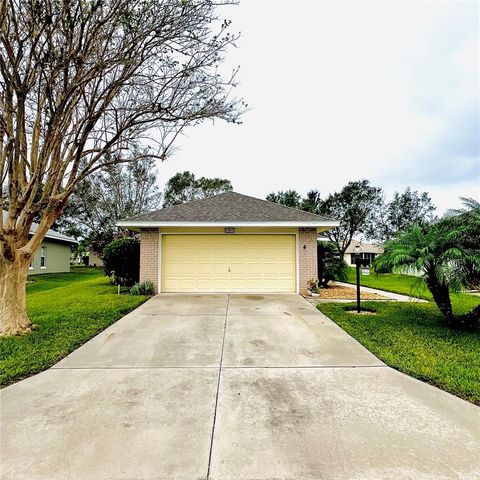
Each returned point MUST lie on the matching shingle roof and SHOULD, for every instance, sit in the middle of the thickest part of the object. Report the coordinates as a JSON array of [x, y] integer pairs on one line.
[[364, 247], [227, 207], [52, 234]]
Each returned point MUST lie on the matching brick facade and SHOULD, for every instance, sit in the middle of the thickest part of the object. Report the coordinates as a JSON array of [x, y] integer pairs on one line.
[[307, 245], [149, 256]]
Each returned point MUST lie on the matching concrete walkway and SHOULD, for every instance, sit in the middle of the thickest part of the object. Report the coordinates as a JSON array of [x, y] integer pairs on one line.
[[390, 295], [232, 387]]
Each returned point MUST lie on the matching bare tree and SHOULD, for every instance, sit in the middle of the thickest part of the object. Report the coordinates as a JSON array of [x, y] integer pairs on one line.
[[81, 81]]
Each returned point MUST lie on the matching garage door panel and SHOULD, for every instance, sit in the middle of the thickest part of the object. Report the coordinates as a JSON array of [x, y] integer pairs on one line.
[[228, 263]]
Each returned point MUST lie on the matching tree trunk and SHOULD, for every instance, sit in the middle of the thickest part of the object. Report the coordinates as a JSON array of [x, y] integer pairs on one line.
[[441, 296], [13, 307]]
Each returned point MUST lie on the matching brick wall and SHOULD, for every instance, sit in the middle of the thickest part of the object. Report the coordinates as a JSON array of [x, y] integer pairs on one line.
[[149, 256], [307, 244]]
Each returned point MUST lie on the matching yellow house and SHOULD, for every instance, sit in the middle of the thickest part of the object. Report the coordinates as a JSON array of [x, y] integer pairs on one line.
[[229, 243]]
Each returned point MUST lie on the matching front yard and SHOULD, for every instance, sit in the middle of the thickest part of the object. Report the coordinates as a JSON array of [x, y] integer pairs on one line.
[[412, 337], [409, 285], [67, 309]]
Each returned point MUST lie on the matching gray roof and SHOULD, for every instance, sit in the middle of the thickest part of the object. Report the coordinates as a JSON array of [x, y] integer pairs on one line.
[[365, 247], [227, 207], [51, 234]]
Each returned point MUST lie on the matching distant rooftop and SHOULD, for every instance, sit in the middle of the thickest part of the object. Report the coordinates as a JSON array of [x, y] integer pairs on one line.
[[365, 247], [52, 234]]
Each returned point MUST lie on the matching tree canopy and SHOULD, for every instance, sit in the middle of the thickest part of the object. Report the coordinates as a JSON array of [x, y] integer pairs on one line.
[[405, 209], [185, 187], [289, 198], [362, 209], [105, 197], [354, 206]]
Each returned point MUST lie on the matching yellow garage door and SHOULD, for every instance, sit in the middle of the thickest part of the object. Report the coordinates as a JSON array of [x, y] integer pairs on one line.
[[228, 263]]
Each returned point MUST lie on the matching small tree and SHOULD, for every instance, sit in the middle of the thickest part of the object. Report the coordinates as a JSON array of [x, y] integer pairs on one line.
[[470, 217], [331, 265], [444, 251], [121, 260]]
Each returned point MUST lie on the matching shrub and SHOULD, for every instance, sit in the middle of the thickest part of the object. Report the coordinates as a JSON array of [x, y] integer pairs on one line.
[[312, 285], [121, 260], [144, 288], [331, 265]]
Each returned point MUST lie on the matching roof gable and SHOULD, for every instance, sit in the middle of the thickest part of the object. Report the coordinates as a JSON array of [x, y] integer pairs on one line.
[[226, 207]]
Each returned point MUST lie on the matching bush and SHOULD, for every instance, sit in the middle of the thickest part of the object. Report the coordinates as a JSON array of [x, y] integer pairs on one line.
[[312, 285], [331, 265], [121, 261], [144, 288]]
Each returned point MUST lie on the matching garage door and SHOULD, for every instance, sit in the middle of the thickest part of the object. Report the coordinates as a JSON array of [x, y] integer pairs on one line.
[[228, 263]]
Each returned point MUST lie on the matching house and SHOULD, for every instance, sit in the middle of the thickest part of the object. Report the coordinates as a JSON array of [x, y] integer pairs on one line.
[[368, 251], [93, 260], [229, 243], [54, 253]]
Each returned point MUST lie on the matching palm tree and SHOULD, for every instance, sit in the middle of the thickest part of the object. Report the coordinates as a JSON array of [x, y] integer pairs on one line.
[[445, 251]]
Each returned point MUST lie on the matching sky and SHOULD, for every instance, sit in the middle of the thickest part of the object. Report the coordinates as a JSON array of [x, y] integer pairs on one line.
[[339, 91]]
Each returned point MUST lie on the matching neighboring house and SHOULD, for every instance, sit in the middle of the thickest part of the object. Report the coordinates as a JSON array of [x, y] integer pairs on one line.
[[368, 251], [94, 260], [229, 243], [54, 253]]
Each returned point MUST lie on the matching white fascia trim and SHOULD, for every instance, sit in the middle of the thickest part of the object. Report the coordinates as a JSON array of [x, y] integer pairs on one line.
[[325, 223], [53, 237]]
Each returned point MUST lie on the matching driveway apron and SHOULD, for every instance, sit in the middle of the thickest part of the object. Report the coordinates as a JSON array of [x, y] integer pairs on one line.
[[232, 387]]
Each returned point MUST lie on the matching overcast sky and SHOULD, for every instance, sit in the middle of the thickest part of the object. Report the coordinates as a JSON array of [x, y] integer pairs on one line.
[[340, 91]]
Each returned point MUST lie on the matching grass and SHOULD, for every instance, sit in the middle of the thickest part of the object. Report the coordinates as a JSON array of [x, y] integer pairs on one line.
[[409, 285], [413, 338], [67, 309], [391, 282]]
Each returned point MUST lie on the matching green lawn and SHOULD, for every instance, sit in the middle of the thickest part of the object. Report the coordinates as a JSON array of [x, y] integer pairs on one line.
[[413, 338], [67, 309], [408, 285]]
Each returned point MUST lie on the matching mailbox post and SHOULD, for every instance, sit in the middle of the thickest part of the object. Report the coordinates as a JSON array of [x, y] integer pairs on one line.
[[359, 262]]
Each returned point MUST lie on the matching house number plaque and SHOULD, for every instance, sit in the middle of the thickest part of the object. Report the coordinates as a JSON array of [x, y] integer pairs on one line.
[[229, 229]]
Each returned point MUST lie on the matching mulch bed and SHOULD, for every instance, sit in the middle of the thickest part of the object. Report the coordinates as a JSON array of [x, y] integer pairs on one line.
[[347, 293]]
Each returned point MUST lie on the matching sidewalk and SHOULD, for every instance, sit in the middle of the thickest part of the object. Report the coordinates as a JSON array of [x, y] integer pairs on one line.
[[390, 296]]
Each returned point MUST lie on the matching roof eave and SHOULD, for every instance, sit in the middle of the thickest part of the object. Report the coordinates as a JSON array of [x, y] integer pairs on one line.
[[135, 225], [64, 240]]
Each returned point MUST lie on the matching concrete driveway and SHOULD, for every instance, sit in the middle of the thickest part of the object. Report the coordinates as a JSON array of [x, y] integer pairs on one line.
[[232, 387]]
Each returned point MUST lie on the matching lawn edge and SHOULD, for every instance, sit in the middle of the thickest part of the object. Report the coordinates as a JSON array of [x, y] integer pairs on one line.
[[411, 374], [61, 357]]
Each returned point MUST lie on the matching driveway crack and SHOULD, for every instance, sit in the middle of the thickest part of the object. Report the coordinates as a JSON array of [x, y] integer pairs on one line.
[[218, 388]]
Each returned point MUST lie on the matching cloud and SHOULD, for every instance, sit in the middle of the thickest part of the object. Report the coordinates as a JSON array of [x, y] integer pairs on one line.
[[449, 155], [341, 91]]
